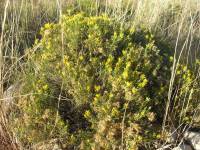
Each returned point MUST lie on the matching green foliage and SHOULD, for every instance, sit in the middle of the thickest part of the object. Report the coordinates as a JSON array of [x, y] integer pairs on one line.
[[97, 84]]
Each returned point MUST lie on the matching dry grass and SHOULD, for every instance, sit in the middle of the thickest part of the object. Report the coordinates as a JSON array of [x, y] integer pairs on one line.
[[177, 21], [20, 21]]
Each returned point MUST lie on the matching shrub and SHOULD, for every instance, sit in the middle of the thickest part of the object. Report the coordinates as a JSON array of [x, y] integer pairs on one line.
[[105, 84]]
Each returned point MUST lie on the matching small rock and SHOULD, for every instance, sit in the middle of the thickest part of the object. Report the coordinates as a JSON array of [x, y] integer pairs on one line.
[[193, 138], [164, 147], [56, 147], [8, 97], [183, 147], [48, 145]]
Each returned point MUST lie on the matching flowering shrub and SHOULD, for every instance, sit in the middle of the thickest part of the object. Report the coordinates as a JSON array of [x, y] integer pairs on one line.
[[97, 84]]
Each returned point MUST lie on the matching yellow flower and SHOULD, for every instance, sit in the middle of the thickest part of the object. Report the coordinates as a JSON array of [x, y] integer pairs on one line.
[[125, 74], [88, 88], [134, 90], [65, 61], [128, 64], [111, 95], [97, 95], [95, 101], [81, 57], [39, 81], [89, 36], [39, 91], [128, 84], [100, 50], [97, 88], [47, 26], [124, 52], [125, 105], [44, 56], [171, 59], [45, 87], [143, 83], [178, 72], [184, 68], [115, 112], [142, 76], [87, 114], [158, 136], [115, 35]]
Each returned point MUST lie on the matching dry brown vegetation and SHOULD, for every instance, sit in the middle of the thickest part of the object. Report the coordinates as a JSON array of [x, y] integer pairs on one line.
[[174, 22]]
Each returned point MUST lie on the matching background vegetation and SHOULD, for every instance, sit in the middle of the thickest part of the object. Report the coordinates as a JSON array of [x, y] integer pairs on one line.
[[111, 74]]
